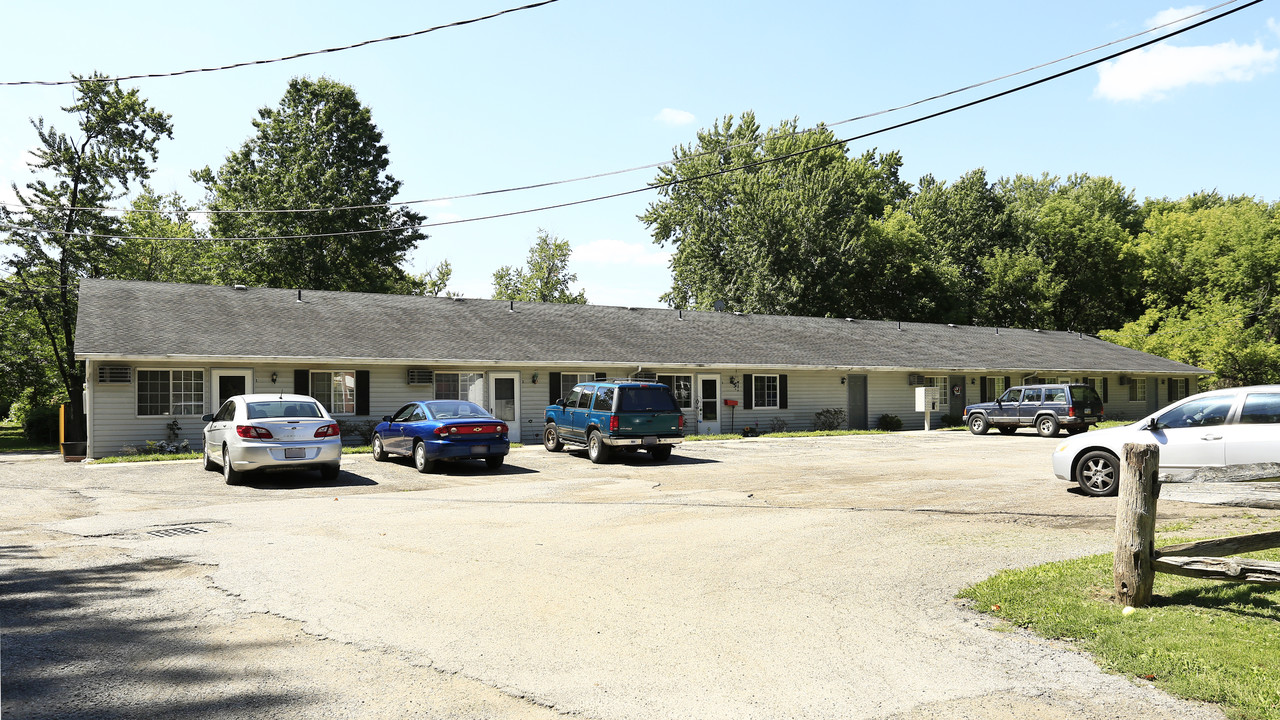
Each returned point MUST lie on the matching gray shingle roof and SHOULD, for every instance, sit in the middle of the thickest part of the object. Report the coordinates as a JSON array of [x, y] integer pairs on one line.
[[150, 320]]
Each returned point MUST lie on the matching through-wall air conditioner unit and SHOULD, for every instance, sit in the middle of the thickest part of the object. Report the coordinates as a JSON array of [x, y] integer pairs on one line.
[[417, 376], [915, 379], [115, 374]]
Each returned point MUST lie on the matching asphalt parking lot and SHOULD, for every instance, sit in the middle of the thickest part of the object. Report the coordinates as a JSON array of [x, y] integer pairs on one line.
[[762, 578]]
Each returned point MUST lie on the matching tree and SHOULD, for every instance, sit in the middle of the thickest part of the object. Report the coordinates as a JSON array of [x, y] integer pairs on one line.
[[318, 151], [157, 248], [433, 282], [784, 222], [1211, 272], [59, 238], [545, 277]]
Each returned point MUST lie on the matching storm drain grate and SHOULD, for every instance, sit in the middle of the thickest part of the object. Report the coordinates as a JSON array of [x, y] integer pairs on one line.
[[176, 531]]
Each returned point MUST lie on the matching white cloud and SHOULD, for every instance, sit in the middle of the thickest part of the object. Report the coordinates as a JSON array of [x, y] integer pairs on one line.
[[1150, 73], [616, 252], [670, 116], [1273, 26], [1172, 14]]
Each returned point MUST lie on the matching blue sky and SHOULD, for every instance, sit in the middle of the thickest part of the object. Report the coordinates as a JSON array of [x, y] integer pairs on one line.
[[581, 87]]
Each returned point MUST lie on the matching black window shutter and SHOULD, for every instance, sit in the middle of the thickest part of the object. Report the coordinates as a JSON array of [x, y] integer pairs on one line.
[[1169, 384], [748, 393], [602, 376], [1104, 391], [782, 392], [983, 396], [362, 392], [554, 382], [302, 382]]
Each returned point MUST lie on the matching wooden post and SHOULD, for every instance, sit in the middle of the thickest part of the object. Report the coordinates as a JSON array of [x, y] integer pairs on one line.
[[1136, 524]]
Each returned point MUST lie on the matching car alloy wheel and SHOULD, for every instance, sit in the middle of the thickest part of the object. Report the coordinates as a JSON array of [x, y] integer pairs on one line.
[[420, 460], [379, 452], [1098, 473]]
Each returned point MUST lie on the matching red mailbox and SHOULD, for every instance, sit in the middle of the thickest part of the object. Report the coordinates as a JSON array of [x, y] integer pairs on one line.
[[731, 403]]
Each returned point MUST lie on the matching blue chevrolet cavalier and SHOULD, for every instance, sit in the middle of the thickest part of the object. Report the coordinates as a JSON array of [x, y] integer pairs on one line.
[[432, 430]]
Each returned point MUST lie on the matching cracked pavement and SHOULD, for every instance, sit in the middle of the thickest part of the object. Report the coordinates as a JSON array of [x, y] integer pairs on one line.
[[806, 578]]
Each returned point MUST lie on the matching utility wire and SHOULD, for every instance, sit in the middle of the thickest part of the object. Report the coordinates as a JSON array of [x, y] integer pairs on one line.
[[295, 56], [723, 171], [650, 166]]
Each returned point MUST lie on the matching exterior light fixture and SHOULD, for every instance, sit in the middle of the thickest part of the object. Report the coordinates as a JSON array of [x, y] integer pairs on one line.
[[274, 376], [534, 379]]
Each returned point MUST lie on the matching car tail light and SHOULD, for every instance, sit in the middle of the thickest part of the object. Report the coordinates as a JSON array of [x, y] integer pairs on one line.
[[253, 432], [680, 422], [1071, 411], [330, 430], [442, 431], [613, 423], [501, 429]]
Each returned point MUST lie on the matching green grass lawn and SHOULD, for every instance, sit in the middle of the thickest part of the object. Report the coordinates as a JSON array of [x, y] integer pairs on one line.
[[12, 440], [1203, 640]]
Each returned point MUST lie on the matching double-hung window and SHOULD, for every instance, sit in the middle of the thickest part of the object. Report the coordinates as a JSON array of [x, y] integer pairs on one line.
[[170, 392], [1138, 390], [681, 387], [336, 390], [460, 386], [940, 382], [764, 391], [570, 380]]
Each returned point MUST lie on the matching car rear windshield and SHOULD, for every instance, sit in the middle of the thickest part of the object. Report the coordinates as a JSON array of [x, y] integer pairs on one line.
[[1083, 394], [283, 408], [646, 399]]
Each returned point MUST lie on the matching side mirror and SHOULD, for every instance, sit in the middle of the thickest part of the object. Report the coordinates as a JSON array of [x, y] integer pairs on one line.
[[1150, 425], [560, 402], [206, 418], [386, 418]]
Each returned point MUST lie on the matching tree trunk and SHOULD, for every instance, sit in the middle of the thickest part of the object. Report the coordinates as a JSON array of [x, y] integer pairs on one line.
[[1136, 525]]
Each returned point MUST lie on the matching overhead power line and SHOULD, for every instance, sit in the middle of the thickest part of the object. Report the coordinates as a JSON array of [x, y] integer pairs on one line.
[[650, 166], [295, 56], [716, 173]]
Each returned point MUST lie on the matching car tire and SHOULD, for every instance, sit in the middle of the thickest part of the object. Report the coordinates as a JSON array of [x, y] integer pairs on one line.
[[495, 461], [1098, 473], [1006, 429], [379, 452], [209, 464], [1076, 430], [1047, 426], [660, 453], [551, 438], [597, 451], [420, 460], [978, 424], [230, 474], [329, 473]]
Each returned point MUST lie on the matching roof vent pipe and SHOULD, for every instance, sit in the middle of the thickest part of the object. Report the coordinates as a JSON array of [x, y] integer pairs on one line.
[[512, 307], [680, 314], [299, 294]]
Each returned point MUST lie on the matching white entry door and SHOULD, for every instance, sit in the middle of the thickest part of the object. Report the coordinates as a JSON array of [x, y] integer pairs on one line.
[[228, 382], [708, 407], [504, 400]]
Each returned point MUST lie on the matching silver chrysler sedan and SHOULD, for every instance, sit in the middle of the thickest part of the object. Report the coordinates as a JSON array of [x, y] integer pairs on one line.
[[271, 431]]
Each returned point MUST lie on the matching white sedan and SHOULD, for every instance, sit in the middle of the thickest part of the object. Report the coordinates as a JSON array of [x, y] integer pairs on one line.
[[255, 432], [1217, 429]]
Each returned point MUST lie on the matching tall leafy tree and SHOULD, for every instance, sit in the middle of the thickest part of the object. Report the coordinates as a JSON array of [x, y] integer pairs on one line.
[[58, 239], [1211, 271], [545, 276], [318, 150], [163, 243], [785, 222]]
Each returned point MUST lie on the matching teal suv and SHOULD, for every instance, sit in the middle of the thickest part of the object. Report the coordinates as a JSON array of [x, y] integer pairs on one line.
[[615, 415]]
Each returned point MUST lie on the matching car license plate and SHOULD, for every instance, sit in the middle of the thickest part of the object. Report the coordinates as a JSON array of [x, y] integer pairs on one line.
[[295, 453], [479, 449], [650, 439]]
